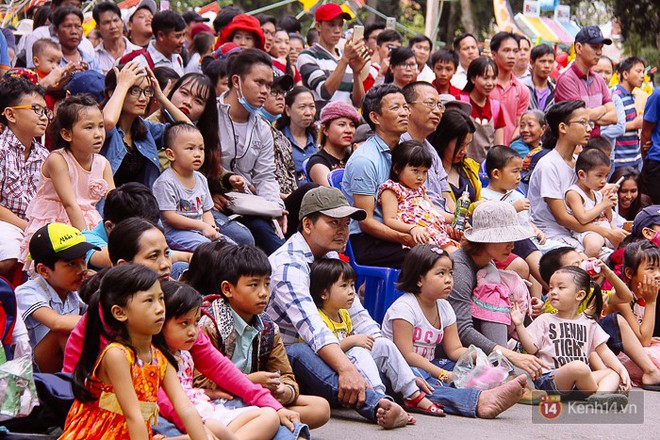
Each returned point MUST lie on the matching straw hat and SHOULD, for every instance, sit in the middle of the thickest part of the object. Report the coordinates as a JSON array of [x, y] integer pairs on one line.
[[496, 222]]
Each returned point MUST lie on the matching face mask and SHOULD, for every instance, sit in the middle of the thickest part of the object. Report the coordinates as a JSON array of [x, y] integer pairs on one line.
[[656, 239], [268, 116], [246, 105]]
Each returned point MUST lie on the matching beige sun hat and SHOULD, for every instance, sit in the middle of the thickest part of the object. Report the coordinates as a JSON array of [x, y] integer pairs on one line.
[[494, 221]]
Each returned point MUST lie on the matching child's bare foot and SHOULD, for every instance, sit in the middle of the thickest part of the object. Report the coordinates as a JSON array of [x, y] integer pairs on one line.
[[390, 415], [651, 380], [494, 402]]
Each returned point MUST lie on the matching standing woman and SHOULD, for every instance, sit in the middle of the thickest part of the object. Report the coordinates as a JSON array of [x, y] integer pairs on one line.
[[132, 143], [338, 123], [280, 50], [403, 67], [297, 124], [451, 140], [421, 46]]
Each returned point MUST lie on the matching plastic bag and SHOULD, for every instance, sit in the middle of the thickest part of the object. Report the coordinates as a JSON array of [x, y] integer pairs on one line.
[[18, 393], [476, 370]]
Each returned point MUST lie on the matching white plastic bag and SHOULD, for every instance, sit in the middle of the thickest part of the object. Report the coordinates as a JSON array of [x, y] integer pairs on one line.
[[476, 370], [18, 393]]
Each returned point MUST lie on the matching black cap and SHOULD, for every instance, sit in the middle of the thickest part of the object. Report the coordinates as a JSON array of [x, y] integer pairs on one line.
[[192, 16], [591, 35], [283, 82]]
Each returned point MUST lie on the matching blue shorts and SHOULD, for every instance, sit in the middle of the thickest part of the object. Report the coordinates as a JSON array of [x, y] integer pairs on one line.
[[547, 383], [610, 324]]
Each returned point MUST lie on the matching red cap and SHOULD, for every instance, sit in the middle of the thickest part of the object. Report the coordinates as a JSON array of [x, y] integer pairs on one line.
[[329, 12], [198, 28], [242, 22]]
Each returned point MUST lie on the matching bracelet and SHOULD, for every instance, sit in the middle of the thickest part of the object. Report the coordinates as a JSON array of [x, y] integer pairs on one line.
[[444, 376], [410, 230]]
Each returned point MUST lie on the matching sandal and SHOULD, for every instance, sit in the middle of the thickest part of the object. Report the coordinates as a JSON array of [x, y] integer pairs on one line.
[[411, 405]]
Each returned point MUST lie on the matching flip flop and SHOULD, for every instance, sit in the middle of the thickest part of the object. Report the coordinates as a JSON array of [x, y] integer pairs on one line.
[[655, 387]]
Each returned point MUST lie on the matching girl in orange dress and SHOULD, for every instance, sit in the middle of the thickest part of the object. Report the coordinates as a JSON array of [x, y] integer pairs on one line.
[[116, 390]]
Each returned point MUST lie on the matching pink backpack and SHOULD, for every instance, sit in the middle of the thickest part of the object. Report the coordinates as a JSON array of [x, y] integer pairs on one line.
[[495, 292]]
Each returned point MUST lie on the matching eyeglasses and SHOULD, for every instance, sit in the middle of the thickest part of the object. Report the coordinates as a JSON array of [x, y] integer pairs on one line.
[[277, 93], [408, 66], [585, 123], [39, 110], [432, 105], [136, 91]]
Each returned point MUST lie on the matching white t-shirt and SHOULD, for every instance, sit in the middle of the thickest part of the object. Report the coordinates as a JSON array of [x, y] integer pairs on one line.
[[551, 178], [511, 197], [560, 341], [425, 336]]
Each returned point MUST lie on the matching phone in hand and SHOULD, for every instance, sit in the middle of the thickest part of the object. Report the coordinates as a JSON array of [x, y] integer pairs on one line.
[[358, 33]]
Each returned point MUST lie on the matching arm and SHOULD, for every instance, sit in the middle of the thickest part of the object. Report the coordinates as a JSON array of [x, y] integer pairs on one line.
[[604, 114], [126, 78], [177, 114], [319, 174], [527, 341], [647, 130], [207, 217], [263, 174], [635, 124], [575, 202], [54, 321], [56, 168], [451, 343], [499, 136], [107, 176], [118, 373], [8, 216], [622, 294], [614, 363], [558, 209], [180, 222], [278, 361], [184, 409], [101, 258], [390, 207], [617, 129], [352, 385], [402, 332], [375, 228]]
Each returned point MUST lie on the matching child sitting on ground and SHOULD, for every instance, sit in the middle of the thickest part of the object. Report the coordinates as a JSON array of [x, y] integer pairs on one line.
[[238, 328], [48, 303], [564, 341], [183, 193], [406, 207], [586, 203], [332, 286], [24, 115]]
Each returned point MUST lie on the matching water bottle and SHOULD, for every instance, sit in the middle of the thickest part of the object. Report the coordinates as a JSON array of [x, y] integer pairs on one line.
[[462, 206]]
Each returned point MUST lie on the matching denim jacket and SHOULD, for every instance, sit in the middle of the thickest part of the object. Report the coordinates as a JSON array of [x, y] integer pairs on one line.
[[114, 149]]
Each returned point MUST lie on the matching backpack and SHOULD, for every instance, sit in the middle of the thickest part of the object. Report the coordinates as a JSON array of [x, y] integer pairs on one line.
[[136, 53]]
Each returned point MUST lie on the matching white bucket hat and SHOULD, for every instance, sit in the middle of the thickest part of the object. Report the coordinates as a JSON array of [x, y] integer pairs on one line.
[[496, 222]]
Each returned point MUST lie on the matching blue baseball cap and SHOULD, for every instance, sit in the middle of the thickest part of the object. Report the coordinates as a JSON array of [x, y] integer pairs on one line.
[[646, 218], [591, 35], [88, 81]]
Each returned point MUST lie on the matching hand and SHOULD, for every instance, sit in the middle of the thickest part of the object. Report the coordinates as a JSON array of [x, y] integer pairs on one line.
[[616, 236], [625, 379], [168, 87], [604, 268], [540, 236], [352, 388], [221, 202], [210, 232], [266, 379], [60, 76], [288, 418], [521, 205], [153, 82], [454, 234], [130, 74], [384, 66], [283, 393], [364, 341], [648, 288], [538, 307], [238, 183], [423, 385], [419, 235], [517, 317], [528, 363]]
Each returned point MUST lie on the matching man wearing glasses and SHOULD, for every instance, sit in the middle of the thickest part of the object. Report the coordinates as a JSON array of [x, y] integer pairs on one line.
[[579, 82]]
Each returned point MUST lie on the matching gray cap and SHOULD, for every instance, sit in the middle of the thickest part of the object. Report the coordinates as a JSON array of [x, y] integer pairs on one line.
[[450, 101], [494, 221], [329, 201]]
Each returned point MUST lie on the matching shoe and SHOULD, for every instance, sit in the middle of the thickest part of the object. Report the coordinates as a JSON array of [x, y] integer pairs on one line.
[[411, 405], [615, 402], [655, 387]]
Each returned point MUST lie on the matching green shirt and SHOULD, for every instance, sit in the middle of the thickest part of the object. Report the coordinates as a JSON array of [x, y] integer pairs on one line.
[[245, 334]]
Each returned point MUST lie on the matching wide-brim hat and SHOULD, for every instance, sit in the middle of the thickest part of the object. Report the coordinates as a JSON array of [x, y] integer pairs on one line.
[[494, 221]]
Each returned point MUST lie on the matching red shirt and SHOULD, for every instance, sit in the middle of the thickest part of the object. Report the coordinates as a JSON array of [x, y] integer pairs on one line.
[[452, 90], [514, 99], [485, 112]]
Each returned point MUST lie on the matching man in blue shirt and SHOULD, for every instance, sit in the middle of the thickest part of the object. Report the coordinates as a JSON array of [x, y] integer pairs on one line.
[[386, 111], [651, 147]]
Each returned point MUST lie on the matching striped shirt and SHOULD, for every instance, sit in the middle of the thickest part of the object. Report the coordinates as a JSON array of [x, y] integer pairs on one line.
[[291, 305], [627, 152], [315, 65]]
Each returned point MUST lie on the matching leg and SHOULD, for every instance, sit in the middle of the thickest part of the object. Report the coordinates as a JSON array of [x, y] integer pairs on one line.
[[494, 331], [232, 229], [532, 261], [520, 267], [608, 380], [374, 252], [391, 363], [577, 374], [49, 352], [10, 248], [365, 364], [183, 240], [256, 425], [592, 243], [263, 232], [634, 350], [314, 411]]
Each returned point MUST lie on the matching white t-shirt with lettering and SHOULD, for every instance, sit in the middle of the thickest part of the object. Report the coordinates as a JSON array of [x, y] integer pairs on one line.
[[425, 336], [560, 341]]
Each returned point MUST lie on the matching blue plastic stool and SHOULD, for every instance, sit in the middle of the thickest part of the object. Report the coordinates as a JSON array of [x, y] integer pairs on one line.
[[304, 168], [335, 177]]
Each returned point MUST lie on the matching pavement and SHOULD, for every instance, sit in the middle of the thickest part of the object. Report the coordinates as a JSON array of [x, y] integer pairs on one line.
[[515, 423]]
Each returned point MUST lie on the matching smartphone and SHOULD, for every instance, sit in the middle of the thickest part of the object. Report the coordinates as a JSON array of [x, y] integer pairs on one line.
[[390, 23], [358, 33], [487, 45], [620, 181]]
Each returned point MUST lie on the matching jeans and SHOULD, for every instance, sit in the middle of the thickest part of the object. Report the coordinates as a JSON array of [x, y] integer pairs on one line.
[[457, 401], [283, 433], [178, 269], [263, 233], [185, 240], [233, 229], [315, 377]]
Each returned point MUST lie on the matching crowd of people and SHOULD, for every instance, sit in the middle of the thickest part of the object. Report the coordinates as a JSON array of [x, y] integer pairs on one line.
[[210, 180]]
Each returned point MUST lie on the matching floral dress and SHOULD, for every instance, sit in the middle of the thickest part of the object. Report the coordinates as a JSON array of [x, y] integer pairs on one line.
[[415, 209], [102, 418]]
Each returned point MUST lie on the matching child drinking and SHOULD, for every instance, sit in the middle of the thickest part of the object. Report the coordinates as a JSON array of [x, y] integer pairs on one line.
[[182, 191], [406, 207], [74, 177], [182, 309], [564, 341], [422, 319], [233, 271], [586, 203], [332, 286], [116, 387], [641, 269]]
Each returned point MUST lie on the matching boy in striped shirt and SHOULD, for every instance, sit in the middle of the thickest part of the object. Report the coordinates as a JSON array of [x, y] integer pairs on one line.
[[627, 151]]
